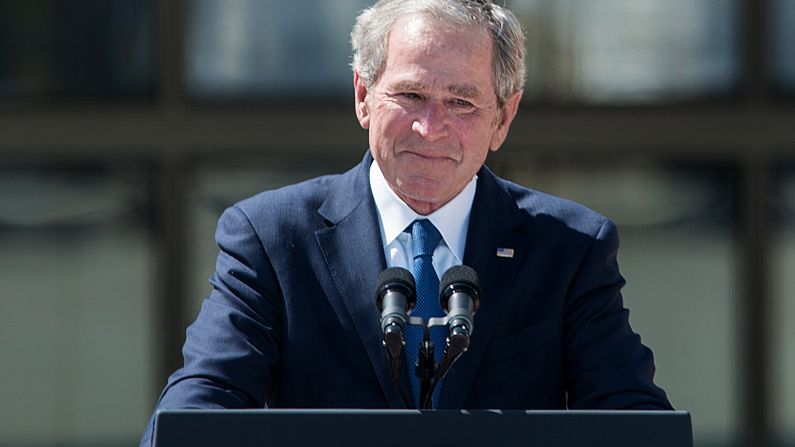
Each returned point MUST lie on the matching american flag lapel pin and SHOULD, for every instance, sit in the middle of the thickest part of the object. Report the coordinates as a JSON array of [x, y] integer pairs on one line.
[[504, 252]]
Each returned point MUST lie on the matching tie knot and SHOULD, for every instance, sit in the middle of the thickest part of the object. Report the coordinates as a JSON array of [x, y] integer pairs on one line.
[[425, 237]]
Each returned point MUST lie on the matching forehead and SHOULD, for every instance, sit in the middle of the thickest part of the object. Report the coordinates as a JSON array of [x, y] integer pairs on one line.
[[425, 50]]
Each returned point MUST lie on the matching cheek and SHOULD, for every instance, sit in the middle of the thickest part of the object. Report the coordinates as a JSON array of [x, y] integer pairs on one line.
[[390, 127], [476, 139], [475, 128]]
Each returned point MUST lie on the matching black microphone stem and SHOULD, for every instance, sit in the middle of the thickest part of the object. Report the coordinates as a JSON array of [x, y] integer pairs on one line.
[[393, 342], [425, 370], [427, 403]]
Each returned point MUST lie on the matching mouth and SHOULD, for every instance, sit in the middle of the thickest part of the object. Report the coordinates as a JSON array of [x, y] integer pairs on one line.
[[429, 156]]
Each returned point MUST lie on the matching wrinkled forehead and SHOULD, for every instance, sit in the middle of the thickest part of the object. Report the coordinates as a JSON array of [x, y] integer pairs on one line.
[[423, 49], [434, 34]]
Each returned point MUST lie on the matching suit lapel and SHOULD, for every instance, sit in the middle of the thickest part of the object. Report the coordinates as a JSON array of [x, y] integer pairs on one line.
[[495, 222], [351, 247]]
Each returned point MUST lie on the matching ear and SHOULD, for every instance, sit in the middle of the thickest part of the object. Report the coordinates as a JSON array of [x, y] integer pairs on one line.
[[507, 114], [360, 101]]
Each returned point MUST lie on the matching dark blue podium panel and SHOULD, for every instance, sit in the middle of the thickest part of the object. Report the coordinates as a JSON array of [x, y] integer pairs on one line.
[[384, 428]]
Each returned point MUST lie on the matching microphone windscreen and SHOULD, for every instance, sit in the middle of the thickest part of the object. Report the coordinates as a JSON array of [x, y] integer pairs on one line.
[[395, 276], [460, 274]]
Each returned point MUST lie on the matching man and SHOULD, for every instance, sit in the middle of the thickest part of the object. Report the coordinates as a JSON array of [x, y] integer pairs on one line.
[[291, 320]]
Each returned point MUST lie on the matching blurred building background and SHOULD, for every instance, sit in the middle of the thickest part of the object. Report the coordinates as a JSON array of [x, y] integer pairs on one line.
[[127, 126]]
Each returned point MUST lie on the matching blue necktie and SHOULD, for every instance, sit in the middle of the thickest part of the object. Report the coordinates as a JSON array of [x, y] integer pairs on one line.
[[425, 237]]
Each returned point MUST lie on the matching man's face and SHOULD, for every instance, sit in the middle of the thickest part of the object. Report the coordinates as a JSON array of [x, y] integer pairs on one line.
[[432, 115]]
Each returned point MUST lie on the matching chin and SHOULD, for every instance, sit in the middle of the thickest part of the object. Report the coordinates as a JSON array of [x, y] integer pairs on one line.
[[423, 191], [425, 201]]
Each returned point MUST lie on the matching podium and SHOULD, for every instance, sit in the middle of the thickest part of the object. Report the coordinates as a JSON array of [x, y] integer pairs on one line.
[[385, 428]]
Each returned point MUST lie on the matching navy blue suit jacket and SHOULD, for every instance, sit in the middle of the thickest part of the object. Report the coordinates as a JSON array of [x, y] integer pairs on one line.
[[291, 320]]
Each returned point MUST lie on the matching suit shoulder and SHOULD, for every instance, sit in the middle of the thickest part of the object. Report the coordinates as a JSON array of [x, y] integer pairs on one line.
[[536, 204], [280, 214], [288, 201]]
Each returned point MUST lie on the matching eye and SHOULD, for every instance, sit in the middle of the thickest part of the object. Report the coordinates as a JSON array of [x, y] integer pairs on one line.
[[410, 96], [461, 103]]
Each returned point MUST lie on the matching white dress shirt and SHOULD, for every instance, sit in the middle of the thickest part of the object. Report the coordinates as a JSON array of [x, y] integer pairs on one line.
[[452, 221]]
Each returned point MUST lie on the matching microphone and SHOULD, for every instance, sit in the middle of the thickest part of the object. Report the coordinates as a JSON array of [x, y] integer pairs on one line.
[[395, 296], [459, 295]]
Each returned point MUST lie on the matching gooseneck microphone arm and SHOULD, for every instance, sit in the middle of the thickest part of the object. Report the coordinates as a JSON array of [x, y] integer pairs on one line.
[[459, 296], [395, 296], [426, 370]]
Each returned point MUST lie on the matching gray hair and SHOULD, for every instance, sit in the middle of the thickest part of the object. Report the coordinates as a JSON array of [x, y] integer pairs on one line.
[[371, 33]]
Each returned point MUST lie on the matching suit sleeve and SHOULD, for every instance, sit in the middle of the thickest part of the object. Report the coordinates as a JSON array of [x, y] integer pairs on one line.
[[231, 351], [607, 366]]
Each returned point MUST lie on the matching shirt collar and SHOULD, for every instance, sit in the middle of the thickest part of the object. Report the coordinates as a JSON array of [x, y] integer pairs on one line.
[[452, 220]]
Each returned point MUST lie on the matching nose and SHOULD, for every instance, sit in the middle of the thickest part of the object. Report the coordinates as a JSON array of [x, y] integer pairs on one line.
[[431, 123]]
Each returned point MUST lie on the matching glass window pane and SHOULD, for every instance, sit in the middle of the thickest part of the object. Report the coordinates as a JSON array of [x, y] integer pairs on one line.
[[255, 49], [75, 314], [616, 51], [783, 312], [677, 229], [77, 49], [218, 187], [782, 14], [630, 51]]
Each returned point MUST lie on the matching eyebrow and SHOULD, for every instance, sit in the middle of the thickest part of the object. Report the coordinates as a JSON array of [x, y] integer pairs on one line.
[[465, 91], [462, 90]]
